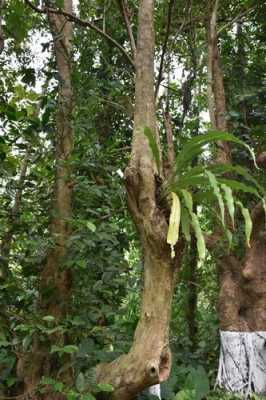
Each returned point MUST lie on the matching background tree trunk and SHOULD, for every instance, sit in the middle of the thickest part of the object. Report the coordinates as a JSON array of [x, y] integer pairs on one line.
[[55, 278], [242, 297]]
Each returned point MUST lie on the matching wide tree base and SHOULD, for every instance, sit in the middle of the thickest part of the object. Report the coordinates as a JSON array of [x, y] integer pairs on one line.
[[242, 363]]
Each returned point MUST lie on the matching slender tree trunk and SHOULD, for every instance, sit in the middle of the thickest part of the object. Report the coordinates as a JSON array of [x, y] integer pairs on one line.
[[2, 36], [55, 275], [55, 278], [192, 294], [242, 297], [7, 239], [149, 359]]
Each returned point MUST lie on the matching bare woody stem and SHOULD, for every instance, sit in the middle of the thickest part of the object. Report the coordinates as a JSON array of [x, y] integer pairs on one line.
[[125, 13]]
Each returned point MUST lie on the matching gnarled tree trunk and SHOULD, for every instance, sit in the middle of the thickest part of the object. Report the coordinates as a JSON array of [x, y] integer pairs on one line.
[[242, 297], [149, 359]]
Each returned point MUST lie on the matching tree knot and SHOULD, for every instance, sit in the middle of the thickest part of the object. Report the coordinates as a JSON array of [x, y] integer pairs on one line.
[[152, 370]]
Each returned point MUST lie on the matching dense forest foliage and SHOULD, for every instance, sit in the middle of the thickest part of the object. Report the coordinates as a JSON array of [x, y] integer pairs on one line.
[[132, 207]]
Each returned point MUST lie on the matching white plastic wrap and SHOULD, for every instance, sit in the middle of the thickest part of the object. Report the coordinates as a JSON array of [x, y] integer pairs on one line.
[[242, 363]]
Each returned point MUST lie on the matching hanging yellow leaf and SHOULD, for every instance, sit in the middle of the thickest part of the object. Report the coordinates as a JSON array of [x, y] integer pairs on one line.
[[174, 222]]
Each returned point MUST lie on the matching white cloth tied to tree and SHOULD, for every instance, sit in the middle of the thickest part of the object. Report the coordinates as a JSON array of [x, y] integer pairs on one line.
[[155, 390], [242, 364]]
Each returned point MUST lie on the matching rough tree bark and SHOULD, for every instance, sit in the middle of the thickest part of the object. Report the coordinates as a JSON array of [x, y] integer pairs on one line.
[[242, 297], [149, 359], [55, 278]]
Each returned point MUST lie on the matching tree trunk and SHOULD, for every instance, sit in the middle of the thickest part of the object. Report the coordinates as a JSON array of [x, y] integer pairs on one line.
[[7, 239], [242, 304], [149, 359], [2, 36], [242, 297], [192, 294], [54, 275], [55, 278]]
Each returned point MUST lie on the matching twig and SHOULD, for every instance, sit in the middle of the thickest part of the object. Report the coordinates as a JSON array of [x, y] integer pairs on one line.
[[81, 22]]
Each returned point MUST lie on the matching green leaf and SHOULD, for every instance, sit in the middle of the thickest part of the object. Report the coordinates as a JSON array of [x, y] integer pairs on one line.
[[195, 146], [48, 318], [198, 380], [185, 224], [195, 224], [105, 387], [88, 396], [153, 146], [174, 222], [248, 222], [65, 349], [199, 236], [229, 199], [217, 192], [239, 186], [186, 394], [70, 349], [80, 382], [188, 200], [91, 226]]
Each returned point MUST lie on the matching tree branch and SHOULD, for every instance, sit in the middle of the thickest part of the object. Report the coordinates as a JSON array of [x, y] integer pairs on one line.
[[124, 11], [81, 22], [169, 138], [240, 15], [168, 26]]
